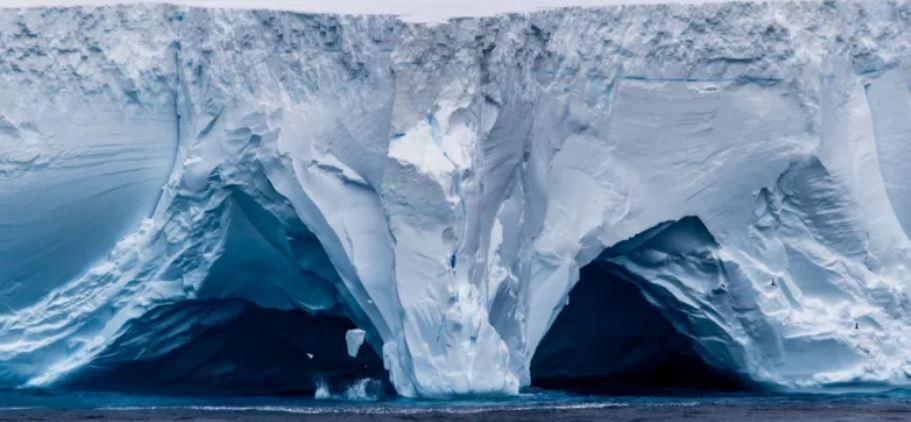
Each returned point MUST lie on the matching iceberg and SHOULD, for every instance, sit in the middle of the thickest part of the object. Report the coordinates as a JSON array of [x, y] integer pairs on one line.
[[737, 170]]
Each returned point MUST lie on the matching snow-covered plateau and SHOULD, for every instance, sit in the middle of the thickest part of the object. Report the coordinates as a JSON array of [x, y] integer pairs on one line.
[[171, 175]]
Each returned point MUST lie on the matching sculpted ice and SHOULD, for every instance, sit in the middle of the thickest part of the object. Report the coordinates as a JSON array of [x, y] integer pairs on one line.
[[441, 185]]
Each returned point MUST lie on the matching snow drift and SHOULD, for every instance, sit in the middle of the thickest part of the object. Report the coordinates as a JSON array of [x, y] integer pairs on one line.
[[441, 185]]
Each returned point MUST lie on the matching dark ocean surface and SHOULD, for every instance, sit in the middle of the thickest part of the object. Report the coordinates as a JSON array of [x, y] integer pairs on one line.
[[536, 405]]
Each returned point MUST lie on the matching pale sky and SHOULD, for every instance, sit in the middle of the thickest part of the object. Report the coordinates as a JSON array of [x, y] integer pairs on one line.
[[413, 10]]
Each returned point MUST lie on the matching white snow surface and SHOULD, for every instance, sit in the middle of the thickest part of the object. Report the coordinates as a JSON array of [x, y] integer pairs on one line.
[[427, 11], [458, 175]]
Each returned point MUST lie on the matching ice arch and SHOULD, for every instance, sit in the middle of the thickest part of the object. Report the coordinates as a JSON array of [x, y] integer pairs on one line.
[[655, 306], [611, 337], [238, 263]]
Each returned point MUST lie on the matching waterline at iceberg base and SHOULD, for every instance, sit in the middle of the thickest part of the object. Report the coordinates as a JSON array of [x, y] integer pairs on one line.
[[245, 197]]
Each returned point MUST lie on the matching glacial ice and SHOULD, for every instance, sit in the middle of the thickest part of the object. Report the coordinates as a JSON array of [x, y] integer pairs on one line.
[[440, 186], [354, 339]]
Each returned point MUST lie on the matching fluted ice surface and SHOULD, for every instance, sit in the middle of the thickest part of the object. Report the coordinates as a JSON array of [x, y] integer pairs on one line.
[[442, 184]]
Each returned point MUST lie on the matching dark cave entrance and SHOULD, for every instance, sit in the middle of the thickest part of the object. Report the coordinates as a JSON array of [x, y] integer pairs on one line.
[[610, 339], [230, 346], [269, 318]]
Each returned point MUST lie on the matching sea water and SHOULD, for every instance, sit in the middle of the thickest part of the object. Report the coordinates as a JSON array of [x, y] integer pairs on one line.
[[533, 404]]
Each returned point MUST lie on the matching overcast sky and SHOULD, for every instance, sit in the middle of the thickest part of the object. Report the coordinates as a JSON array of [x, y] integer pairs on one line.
[[415, 10]]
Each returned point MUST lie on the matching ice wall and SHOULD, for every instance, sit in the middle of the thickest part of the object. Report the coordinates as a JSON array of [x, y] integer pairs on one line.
[[442, 184]]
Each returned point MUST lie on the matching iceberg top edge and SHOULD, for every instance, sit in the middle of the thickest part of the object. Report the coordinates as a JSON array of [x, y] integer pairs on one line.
[[411, 11]]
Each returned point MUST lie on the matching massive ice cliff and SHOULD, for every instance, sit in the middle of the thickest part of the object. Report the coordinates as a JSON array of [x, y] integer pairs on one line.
[[745, 166]]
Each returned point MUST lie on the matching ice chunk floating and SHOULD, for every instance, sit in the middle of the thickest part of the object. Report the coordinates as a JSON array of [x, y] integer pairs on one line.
[[429, 193]]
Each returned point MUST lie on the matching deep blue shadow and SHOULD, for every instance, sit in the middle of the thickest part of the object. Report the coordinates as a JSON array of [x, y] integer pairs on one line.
[[229, 347], [609, 339]]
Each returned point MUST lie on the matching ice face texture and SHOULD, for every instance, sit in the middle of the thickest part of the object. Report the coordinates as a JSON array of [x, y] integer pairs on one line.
[[441, 185]]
